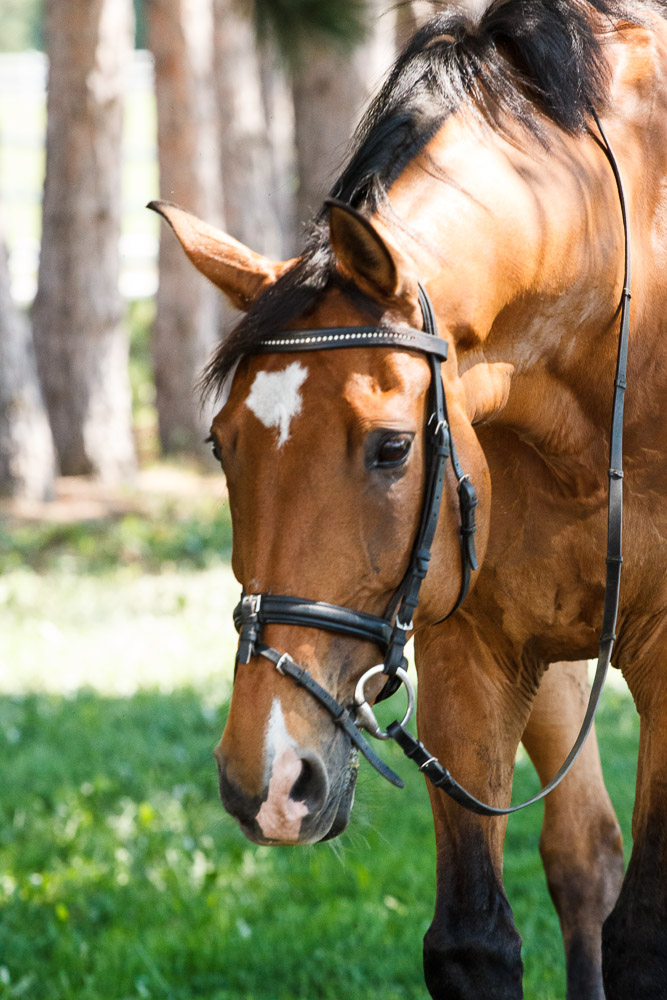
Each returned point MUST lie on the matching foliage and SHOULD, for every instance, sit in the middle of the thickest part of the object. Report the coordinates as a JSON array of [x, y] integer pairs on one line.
[[295, 23], [22, 25], [144, 541], [21, 22], [120, 877], [140, 317], [290, 22], [140, 19]]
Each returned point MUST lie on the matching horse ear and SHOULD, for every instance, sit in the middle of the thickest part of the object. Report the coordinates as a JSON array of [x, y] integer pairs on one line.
[[241, 274], [367, 257], [487, 389]]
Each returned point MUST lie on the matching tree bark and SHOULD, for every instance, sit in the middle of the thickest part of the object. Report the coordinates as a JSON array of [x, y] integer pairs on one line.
[[279, 112], [27, 459], [82, 349], [250, 171], [180, 34], [331, 89], [409, 17]]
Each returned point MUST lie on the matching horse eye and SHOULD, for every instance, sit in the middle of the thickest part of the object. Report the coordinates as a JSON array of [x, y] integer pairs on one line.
[[214, 447], [393, 450]]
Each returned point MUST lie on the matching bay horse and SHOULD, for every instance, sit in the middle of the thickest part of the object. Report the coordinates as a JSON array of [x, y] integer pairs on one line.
[[479, 175]]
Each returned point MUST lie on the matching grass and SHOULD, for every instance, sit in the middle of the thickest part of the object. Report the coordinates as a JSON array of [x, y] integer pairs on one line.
[[120, 876]]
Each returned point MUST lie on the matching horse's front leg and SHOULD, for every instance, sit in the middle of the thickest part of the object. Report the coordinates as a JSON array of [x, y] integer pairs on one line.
[[581, 844], [634, 937], [471, 716]]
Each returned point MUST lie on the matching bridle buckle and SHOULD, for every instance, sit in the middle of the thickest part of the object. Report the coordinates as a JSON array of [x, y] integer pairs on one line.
[[249, 626]]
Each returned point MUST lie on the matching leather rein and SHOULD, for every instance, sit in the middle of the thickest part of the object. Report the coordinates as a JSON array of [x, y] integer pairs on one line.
[[390, 633]]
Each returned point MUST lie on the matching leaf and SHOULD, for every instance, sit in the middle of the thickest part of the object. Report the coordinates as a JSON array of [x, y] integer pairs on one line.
[[293, 24]]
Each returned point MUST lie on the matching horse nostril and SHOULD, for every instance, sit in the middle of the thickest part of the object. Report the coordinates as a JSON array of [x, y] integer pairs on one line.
[[312, 785]]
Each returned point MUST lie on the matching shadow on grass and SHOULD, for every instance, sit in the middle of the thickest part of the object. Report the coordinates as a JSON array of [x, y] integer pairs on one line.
[[120, 877], [97, 546]]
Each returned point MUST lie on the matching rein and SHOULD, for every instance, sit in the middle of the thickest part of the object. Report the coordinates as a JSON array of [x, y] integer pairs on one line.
[[390, 632]]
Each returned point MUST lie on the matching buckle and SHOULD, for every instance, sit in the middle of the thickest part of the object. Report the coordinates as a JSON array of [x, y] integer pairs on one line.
[[250, 605], [440, 427], [250, 626], [279, 665]]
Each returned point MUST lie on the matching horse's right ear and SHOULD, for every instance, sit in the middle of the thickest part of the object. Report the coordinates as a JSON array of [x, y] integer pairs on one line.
[[241, 274], [370, 258]]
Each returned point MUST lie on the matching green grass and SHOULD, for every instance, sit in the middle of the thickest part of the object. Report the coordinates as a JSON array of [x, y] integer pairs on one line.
[[98, 546], [121, 877]]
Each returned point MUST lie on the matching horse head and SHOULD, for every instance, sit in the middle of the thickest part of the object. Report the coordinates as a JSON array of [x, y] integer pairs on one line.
[[324, 455]]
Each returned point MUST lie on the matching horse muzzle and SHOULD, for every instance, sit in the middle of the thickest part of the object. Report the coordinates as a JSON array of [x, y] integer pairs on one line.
[[303, 800]]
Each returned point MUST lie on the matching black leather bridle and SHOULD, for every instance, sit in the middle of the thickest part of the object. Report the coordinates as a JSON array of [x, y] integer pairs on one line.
[[391, 632]]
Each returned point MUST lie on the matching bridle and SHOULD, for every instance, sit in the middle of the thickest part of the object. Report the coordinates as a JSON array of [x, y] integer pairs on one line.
[[390, 632]]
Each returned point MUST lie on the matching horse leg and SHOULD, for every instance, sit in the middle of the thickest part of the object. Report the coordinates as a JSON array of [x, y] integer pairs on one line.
[[634, 936], [581, 844], [471, 718]]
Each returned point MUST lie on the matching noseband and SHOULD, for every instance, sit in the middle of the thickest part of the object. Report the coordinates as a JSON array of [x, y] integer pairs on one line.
[[391, 632]]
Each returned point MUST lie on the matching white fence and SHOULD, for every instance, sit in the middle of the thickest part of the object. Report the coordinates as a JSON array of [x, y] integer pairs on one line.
[[22, 142]]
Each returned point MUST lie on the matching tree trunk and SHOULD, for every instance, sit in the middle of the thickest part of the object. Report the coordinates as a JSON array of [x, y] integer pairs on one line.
[[27, 460], [249, 169], [180, 36], [279, 111], [409, 17], [331, 89], [82, 350]]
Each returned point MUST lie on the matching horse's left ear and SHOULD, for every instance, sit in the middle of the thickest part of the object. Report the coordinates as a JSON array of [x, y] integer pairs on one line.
[[241, 273], [372, 260]]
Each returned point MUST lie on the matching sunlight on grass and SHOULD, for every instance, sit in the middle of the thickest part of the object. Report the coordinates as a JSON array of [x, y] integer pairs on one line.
[[135, 600], [118, 633], [120, 876]]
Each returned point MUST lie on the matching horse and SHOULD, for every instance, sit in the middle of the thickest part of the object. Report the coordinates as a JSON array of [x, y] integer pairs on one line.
[[480, 178]]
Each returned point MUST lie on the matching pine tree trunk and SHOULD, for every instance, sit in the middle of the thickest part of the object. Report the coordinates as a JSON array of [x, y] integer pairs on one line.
[[279, 112], [82, 350], [27, 460], [331, 89], [180, 36], [409, 17], [252, 210]]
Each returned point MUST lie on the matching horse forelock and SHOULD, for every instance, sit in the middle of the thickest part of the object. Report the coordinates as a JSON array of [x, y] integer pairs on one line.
[[514, 62]]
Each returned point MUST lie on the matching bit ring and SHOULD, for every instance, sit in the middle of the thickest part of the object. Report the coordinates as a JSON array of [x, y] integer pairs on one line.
[[365, 717]]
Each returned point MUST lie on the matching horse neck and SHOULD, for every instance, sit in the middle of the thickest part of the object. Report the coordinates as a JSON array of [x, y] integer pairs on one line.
[[528, 271]]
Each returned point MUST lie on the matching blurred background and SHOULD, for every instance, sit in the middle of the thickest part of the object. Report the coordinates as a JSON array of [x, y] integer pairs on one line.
[[241, 112], [119, 875]]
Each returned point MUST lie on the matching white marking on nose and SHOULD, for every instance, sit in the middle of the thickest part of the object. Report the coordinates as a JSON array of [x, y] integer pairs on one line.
[[275, 398], [279, 817]]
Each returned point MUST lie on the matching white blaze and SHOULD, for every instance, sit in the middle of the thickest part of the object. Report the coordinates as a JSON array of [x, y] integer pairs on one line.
[[279, 817], [275, 398]]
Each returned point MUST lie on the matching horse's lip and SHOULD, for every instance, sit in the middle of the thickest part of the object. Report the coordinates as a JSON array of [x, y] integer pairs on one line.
[[344, 811]]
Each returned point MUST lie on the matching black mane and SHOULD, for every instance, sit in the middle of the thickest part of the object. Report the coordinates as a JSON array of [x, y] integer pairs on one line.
[[523, 60]]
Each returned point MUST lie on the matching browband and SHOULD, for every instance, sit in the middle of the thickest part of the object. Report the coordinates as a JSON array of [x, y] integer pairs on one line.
[[408, 339]]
